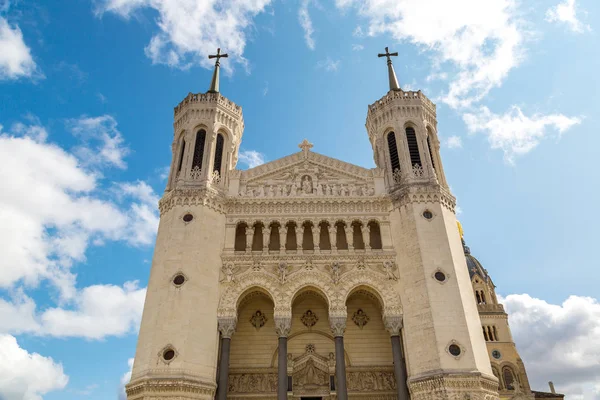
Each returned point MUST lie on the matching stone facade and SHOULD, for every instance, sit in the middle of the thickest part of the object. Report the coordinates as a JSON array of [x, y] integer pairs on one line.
[[311, 277]]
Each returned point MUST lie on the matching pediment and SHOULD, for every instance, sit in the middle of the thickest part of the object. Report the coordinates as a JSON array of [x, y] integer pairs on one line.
[[307, 173]]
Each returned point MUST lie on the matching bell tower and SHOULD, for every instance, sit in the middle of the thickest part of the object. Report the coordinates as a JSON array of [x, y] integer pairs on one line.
[[176, 355], [445, 351]]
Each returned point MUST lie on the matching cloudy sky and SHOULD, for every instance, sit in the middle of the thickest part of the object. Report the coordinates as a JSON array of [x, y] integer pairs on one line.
[[87, 90]]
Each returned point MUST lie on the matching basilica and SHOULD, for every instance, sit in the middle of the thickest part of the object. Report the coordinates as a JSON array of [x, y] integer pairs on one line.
[[311, 278]]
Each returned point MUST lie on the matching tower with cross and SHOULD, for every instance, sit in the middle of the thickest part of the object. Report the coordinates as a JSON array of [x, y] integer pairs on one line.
[[308, 277]]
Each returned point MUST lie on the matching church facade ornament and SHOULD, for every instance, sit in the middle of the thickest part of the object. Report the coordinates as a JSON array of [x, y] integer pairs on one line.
[[309, 319], [360, 318], [258, 319]]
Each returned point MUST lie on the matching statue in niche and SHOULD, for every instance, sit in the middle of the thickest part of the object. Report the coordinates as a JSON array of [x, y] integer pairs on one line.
[[271, 191], [294, 190], [364, 190], [329, 190], [307, 186], [352, 189], [336, 270], [280, 190]]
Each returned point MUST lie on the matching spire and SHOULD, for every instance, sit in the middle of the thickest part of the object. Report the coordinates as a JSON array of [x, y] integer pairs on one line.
[[214, 83], [391, 72]]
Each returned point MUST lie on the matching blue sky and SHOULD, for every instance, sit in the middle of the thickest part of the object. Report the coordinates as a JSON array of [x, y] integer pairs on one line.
[[87, 90]]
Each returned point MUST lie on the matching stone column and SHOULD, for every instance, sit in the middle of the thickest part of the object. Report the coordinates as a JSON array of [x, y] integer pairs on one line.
[[367, 236], [226, 327], [363, 232], [316, 234], [332, 236], [299, 236], [338, 326], [282, 327], [249, 238], [282, 236], [394, 325], [349, 236], [266, 237]]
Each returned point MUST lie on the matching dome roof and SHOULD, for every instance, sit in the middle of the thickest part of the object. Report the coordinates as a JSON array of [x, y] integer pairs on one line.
[[473, 264]]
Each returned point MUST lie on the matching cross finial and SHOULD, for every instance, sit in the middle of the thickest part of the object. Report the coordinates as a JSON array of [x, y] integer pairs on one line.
[[391, 72], [214, 83], [305, 146]]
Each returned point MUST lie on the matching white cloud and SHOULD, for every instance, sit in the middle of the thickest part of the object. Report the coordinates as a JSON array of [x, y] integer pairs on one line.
[[357, 47], [454, 142], [329, 65], [251, 158], [560, 343], [27, 376], [515, 133], [15, 57], [125, 380], [306, 24], [483, 40], [54, 208], [102, 141], [566, 12], [358, 31], [189, 30], [98, 311]]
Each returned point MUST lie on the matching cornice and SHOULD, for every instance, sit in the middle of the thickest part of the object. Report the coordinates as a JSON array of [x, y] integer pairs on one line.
[[207, 197], [423, 193], [157, 387]]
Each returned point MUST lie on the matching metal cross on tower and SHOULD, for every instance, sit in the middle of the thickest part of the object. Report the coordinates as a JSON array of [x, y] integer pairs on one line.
[[391, 72], [214, 83]]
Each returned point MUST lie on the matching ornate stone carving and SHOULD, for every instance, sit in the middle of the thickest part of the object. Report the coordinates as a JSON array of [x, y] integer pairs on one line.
[[283, 326], [258, 319], [228, 272], [155, 388], [393, 324], [215, 177], [453, 387], [196, 173], [360, 318], [336, 271], [252, 382], [390, 270], [282, 268], [309, 319], [371, 381], [338, 325], [227, 326]]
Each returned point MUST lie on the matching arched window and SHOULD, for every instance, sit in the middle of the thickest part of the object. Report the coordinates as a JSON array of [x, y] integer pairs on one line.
[[307, 237], [495, 334], [257, 240], [340, 236], [290, 238], [324, 241], [413, 146], [509, 378], [490, 334], [485, 335], [357, 238], [240, 237], [274, 244], [430, 152], [394, 160], [374, 235], [218, 153], [482, 297], [478, 297], [181, 153], [199, 149]]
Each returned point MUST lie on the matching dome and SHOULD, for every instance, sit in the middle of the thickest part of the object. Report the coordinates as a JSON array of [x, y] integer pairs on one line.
[[473, 264]]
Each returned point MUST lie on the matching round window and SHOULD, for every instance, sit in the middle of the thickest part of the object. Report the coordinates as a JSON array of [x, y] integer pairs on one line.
[[169, 354], [188, 217], [440, 276], [496, 354], [427, 214], [454, 350], [179, 279]]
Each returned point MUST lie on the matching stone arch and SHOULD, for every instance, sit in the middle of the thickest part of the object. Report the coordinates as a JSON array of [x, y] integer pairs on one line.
[[260, 281], [379, 287], [315, 280], [244, 296]]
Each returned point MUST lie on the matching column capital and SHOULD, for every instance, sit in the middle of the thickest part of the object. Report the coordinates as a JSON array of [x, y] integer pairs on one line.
[[227, 326], [283, 325], [338, 325], [393, 324]]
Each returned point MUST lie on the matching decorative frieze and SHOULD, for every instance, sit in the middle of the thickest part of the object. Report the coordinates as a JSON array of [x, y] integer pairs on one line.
[[159, 388]]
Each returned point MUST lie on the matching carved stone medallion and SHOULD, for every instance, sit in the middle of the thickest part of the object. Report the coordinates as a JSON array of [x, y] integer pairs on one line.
[[360, 318], [258, 319], [309, 319]]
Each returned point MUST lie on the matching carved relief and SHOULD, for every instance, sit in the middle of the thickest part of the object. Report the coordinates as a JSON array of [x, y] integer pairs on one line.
[[360, 318], [390, 270], [371, 381], [258, 319], [309, 319], [252, 382]]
